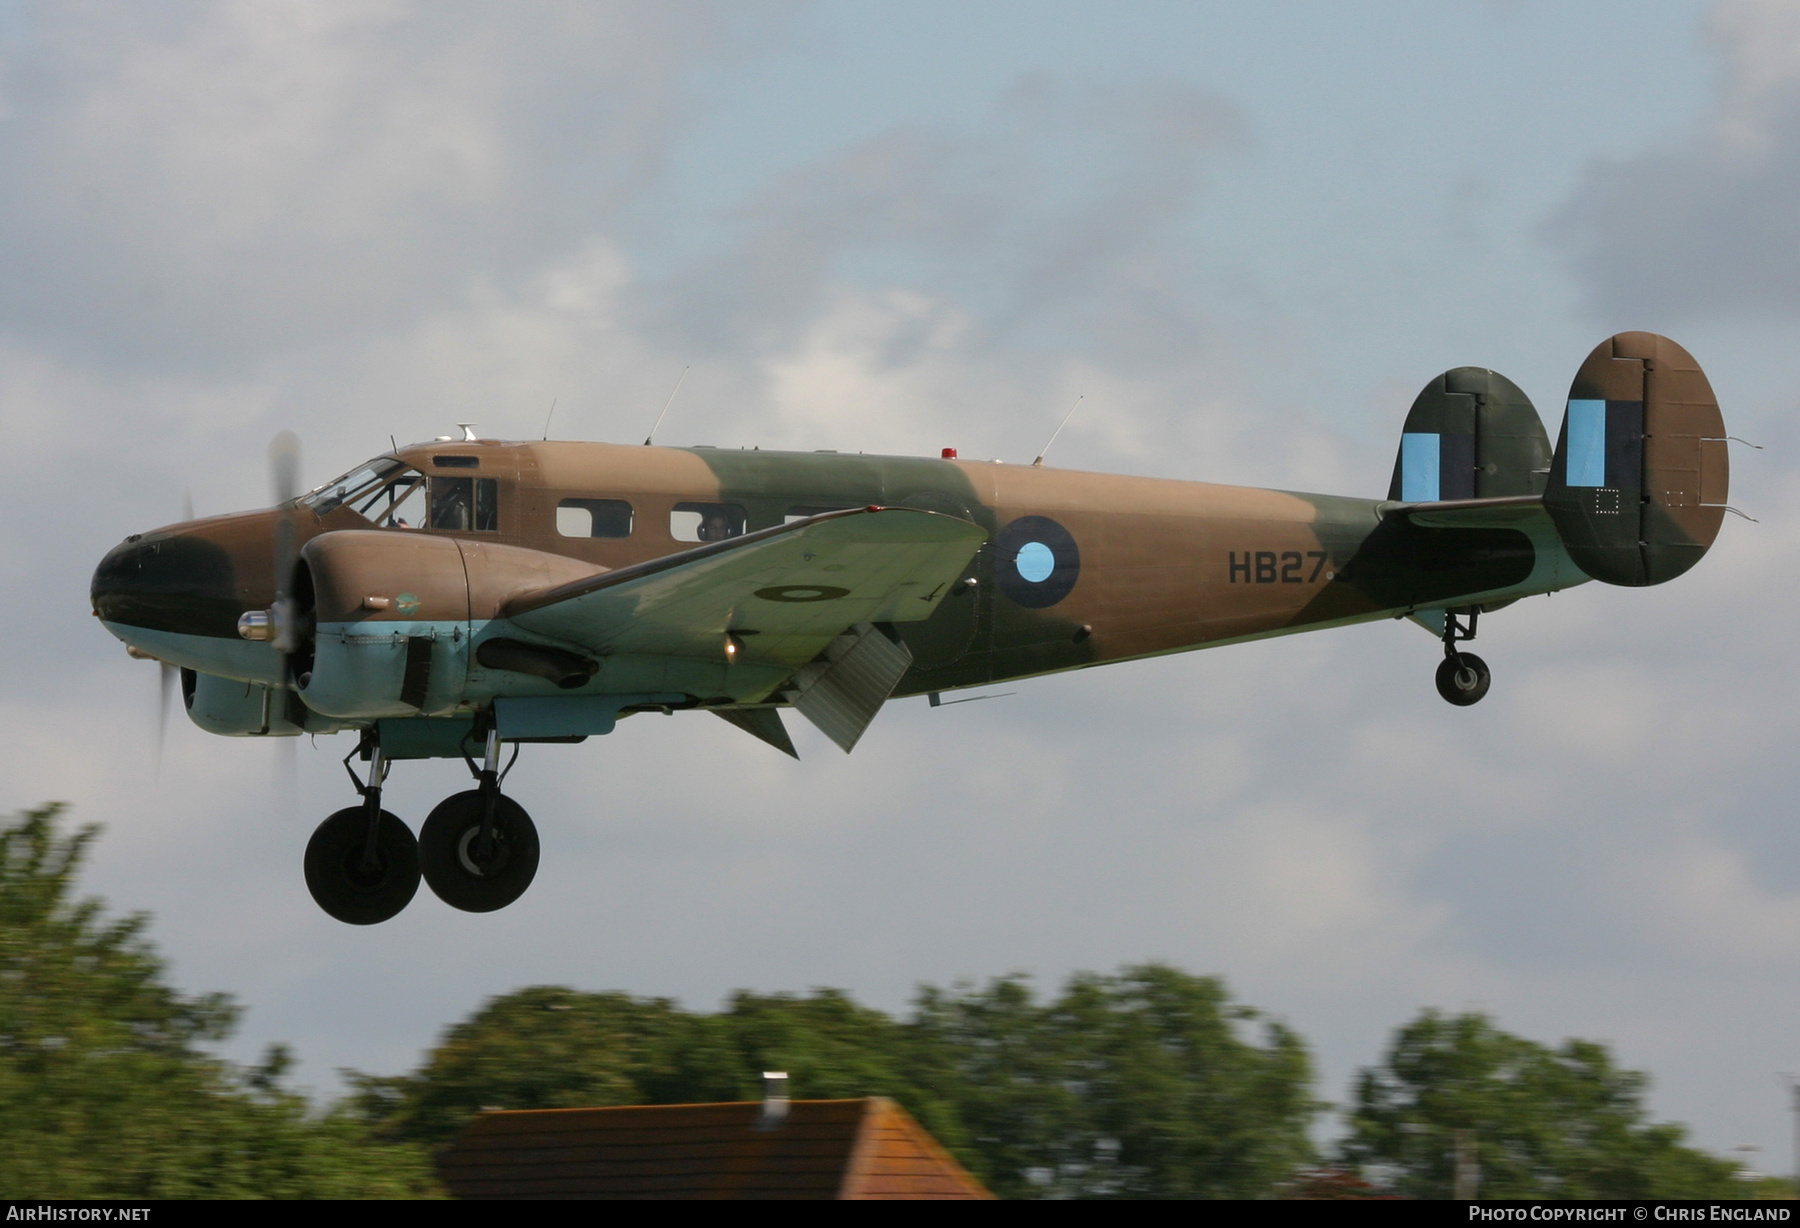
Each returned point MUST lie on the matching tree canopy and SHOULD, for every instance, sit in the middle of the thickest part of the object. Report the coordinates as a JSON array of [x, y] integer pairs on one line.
[[1545, 1123], [1139, 1084], [105, 1090], [1150, 1082]]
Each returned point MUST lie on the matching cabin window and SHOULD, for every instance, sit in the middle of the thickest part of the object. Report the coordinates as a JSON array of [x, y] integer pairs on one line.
[[804, 513], [706, 522], [463, 504], [593, 518]]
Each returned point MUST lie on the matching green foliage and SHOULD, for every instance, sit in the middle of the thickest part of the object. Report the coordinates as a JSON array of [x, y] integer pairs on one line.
[[103, 1089], [1134, 1085], [1547, 1123]]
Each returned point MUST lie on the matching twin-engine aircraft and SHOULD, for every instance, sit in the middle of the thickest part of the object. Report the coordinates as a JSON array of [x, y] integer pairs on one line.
[[451, 597]]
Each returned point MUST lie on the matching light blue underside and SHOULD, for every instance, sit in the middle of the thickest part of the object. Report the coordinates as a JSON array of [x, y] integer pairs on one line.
[[1587, 443], [1036, 562], [1420, 468]]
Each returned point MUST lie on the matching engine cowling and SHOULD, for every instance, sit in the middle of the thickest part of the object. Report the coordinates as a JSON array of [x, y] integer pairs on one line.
[[392, 611], [238, 709]]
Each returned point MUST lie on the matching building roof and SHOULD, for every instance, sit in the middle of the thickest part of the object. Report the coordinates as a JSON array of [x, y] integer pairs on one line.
[[868, 1148]]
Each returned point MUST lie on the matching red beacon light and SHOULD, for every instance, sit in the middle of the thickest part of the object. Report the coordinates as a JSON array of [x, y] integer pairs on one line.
[[949, 453]]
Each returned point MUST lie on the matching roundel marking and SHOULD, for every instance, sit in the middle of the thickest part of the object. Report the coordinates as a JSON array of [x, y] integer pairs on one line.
[[802, 592], [1036, 562]]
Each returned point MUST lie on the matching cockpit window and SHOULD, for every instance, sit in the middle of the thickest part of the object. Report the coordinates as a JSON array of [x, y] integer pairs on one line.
[[462, 504], [352, 487], [383, 491]]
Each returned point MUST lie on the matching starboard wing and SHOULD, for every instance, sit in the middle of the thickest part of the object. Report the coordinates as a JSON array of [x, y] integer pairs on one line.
[[783, 594]]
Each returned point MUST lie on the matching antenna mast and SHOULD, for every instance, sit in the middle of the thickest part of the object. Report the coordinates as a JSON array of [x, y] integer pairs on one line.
[[665, 408], [547, 418], [1038, 463]]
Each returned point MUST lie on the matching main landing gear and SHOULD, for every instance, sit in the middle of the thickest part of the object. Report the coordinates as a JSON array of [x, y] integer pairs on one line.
[[478, 850], [1463, 677]]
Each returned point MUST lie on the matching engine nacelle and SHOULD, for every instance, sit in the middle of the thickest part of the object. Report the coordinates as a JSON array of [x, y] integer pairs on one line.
[[248, 709], [392, 612]]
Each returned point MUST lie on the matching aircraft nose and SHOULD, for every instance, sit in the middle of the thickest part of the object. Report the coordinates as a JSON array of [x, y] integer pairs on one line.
[[167, 582]]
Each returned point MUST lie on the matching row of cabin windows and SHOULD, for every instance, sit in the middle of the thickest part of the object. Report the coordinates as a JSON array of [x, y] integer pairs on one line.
[[688, 522], [411, 500]]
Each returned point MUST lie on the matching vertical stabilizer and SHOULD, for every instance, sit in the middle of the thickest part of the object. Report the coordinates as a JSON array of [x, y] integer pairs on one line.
[[1471, 434], [1639, 481]]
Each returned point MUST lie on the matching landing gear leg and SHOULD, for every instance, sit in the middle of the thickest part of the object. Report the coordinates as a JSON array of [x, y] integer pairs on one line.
[[362, 864], [1463, 678], [479, 849]]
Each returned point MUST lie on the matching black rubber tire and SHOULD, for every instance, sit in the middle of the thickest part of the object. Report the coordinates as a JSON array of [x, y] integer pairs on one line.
[[446, 854], [1463, 679], [334, 871]]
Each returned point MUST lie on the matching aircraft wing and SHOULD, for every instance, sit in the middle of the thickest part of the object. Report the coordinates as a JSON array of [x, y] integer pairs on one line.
[[783, 593]]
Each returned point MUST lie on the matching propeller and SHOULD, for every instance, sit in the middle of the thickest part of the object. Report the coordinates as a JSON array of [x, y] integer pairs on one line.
[[165, 687], [170, 674], [284, 488]]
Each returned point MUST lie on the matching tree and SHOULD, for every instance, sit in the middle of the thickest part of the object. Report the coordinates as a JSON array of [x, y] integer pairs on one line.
[[1141, 1084], [1546, 1123], [104, 1089], [1134, 1085]]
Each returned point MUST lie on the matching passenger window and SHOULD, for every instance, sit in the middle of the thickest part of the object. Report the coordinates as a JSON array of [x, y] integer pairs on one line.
[[706, 522], [461, 504], [593, 518], [804, 513]]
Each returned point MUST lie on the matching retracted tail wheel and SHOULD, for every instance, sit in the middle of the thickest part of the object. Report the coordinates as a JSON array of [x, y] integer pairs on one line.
[[460, 870], [340, 882], [1463, 678]]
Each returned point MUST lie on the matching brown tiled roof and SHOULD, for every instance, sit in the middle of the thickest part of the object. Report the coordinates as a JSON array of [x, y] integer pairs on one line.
[[868, 1148]]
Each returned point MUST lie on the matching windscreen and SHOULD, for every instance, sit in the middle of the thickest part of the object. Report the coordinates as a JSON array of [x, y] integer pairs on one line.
[[383, 491]]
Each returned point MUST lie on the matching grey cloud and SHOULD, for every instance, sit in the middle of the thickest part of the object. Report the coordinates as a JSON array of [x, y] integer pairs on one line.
[[1708, 223], [1062, 207], [182, 183]]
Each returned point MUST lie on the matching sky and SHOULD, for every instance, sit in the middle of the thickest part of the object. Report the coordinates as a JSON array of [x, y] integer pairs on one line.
[[1245, 236]]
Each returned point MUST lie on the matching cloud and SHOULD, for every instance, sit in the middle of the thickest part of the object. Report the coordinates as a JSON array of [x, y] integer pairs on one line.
[[1703, 224], [211, 182]]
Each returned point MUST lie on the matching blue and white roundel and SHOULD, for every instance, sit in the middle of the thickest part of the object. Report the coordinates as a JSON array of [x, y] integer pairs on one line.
[[1036, 562]]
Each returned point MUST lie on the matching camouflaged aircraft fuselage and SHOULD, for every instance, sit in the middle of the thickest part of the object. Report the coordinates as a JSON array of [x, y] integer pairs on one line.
[[1079, 568]]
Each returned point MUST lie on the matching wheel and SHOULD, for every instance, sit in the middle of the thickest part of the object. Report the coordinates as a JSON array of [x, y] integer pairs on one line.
[[335, 874], [452, 861], [1463, 679]]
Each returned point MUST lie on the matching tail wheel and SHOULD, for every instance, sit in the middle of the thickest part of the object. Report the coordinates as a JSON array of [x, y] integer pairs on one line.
[[350, 890], [1463, 678], [462, 872]]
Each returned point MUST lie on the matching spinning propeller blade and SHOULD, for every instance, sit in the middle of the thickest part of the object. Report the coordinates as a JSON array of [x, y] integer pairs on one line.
[[165, 687], [284, 487]]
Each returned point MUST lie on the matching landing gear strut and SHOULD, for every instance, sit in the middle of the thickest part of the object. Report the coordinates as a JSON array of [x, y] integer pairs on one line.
[[479, 849], [1463, 677], [362, 864]]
